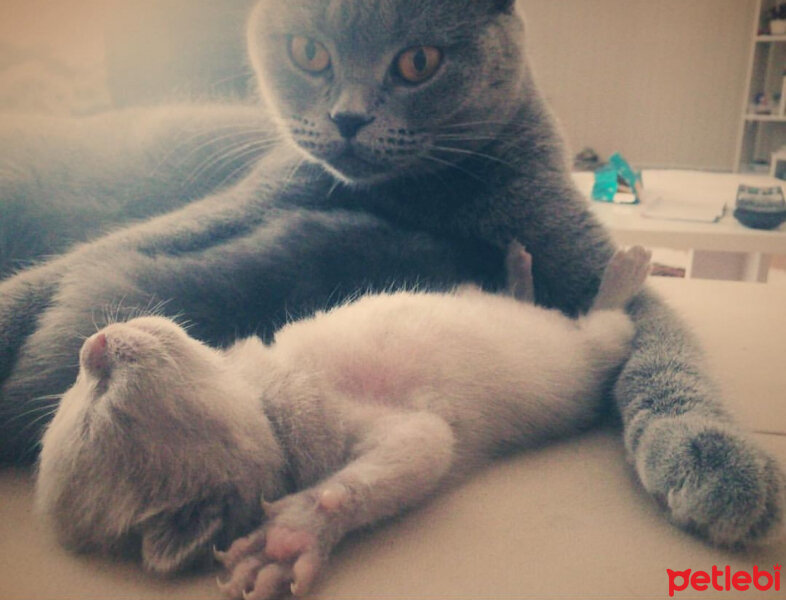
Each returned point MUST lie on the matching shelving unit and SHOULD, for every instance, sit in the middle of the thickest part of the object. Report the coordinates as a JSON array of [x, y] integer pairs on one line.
[[761, 134]]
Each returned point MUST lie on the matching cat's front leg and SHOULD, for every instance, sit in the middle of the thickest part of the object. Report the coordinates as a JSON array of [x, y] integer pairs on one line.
[[687, 450], [401, 460]]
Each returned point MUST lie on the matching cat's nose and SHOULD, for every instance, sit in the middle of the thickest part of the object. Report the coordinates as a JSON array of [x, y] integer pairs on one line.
[[349, 124]]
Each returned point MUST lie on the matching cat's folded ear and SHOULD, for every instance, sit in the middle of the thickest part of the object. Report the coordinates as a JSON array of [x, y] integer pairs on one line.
[[173, 541]]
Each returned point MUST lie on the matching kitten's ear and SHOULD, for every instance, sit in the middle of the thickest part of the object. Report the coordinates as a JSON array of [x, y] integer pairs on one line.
[[175, 540], [506, 6]]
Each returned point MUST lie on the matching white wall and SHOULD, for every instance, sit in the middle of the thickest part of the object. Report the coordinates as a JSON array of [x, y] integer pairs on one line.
[[662, 81]]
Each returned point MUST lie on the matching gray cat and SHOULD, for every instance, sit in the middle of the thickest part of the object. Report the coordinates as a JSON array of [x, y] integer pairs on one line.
[[349, 416], [415, 147], [151, 161]]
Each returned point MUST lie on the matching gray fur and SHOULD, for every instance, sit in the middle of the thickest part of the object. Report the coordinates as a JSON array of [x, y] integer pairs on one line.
[[157, 160], [488, 168]]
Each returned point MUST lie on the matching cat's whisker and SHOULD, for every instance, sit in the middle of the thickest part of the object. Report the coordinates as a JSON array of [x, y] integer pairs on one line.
[[245, 74], [334, 187], [466, 152], [240, 155], [178, 158], [467, 124], [224, 154], [288, 181], [474, 137], [240, 150], [505, 146], [461, 137], [243, 134], [453, 165], [212, 137]]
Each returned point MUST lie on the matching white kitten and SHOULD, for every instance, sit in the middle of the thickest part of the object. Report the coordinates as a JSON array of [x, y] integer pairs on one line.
[[346, 418]]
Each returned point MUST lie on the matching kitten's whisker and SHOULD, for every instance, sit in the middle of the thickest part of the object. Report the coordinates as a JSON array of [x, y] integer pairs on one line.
[[37, 420], [34, 410]]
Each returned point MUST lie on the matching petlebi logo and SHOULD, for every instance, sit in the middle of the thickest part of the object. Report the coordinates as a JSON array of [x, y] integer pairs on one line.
[[724, 580]]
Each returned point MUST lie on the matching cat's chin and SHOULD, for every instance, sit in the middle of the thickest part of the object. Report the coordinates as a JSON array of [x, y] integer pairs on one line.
[[355, 170]]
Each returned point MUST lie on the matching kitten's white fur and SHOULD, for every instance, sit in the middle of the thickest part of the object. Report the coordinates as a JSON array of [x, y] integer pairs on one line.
[[359, 412]]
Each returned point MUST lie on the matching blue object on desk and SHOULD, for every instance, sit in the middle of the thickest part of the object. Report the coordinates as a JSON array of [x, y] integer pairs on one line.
[[617, 182]]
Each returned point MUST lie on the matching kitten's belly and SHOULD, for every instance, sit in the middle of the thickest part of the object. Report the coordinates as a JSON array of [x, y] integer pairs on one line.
[[419, 349]]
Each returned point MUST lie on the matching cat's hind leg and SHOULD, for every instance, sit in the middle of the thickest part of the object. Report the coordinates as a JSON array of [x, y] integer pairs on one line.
[[624, 275]]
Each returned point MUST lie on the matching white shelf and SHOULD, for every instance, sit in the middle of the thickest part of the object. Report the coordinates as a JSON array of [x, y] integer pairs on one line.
[[762, 134], [768, 118]]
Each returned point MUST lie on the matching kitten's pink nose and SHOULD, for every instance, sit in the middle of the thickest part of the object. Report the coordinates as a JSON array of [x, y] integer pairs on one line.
[[95, 356]]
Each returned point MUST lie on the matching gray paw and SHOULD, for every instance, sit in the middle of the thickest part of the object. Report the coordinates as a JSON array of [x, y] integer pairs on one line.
[[713, 481]]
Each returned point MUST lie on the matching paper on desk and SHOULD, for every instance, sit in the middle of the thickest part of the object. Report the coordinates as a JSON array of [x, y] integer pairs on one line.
[[676, 206]]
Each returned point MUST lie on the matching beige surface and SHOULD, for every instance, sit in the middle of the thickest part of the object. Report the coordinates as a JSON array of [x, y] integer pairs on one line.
[[566, 521]]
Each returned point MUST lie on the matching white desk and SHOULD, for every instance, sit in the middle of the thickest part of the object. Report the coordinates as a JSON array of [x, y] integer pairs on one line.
[[722, 250]]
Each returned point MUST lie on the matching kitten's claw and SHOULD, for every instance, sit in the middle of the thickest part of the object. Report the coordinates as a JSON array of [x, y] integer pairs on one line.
[[268, 508], [518, 264], [286, 554], [218, 555]]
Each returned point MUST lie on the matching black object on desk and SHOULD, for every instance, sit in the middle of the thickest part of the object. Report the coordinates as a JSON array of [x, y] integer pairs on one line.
[[760, 208]]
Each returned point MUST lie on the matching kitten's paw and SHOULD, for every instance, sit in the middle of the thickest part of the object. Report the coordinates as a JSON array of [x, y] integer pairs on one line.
[[518, 264], [286, 554], [713, 481], [623, 277]]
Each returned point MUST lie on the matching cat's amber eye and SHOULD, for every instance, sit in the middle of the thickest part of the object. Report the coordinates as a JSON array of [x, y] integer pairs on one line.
[[308, 54], [416, 65]]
